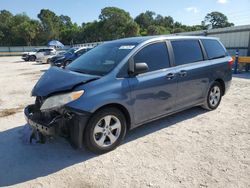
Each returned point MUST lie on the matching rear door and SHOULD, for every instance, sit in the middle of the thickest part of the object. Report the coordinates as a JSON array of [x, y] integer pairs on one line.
[[153, 93], [192, 72]]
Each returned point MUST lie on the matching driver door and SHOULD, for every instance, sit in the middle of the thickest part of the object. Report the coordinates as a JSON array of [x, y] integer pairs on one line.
[[153, 93]]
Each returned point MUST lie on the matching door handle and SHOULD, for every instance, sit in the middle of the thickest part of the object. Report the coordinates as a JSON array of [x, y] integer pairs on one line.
[[170, 76], [183, 73]]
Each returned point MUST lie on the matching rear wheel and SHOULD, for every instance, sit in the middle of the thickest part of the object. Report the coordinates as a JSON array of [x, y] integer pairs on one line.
[[213, 97], [105, 130]]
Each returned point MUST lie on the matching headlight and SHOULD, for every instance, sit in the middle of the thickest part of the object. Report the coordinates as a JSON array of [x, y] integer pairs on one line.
[[62, 99]]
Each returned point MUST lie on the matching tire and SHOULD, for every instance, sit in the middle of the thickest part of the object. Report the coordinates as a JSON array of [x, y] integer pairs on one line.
[[32, 58], [99, 134], [48, 61], [214, 96]]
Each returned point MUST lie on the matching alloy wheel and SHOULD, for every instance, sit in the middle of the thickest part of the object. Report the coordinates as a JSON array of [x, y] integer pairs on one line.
[[107, 131], [214, 96]]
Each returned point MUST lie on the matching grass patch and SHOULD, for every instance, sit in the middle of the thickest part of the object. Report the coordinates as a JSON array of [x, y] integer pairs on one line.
[[31, 73], [10, 111]]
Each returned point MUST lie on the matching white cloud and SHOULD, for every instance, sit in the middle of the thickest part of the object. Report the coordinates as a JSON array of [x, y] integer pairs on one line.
[[192, 9], [222, 1]]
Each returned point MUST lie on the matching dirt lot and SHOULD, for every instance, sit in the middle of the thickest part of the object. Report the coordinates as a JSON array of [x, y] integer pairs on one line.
[[194, 148]]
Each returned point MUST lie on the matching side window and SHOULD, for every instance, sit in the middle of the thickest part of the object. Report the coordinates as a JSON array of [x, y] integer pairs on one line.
[[213, 48], [186, 51], [155, 55], [46, 51]]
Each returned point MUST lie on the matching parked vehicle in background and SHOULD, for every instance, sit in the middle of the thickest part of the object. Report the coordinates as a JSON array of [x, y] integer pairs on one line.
[[43, 56], [32, 56], [68, 57], [29, 56], [67, 54], [58, 54], [122, 84]]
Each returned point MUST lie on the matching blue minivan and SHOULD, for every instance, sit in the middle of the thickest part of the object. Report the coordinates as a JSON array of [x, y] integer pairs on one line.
[[125, 83]]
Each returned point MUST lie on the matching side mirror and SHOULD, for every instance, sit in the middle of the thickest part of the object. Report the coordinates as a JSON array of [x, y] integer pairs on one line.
[[141, 68], [138, 68]]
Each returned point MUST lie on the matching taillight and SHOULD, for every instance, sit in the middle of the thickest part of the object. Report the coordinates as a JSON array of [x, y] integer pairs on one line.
[[230, 62]]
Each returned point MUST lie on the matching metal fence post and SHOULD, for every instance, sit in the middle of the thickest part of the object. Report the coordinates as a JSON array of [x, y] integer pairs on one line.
[[236, 61]]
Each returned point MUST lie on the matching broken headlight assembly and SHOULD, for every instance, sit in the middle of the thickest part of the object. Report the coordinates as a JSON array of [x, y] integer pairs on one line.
[[60, 100]]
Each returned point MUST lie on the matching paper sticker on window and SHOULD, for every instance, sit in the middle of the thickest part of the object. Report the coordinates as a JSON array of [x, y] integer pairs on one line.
[[127, 47]]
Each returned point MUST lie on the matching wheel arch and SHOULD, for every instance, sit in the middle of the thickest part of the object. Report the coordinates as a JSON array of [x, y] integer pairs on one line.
[[120, 107], [33, 55], [222, 83]]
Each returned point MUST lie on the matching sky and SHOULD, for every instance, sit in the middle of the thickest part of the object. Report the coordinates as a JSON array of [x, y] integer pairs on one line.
[[189, 12]]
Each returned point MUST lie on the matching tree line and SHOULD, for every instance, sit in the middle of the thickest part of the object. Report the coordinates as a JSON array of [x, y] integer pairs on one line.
[[112, 23]]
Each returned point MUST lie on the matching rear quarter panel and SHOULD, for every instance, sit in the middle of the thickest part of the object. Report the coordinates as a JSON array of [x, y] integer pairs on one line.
[[220, 69]]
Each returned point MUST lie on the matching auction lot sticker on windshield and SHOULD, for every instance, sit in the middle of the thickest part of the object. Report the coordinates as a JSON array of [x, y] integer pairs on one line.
[[127, 47]]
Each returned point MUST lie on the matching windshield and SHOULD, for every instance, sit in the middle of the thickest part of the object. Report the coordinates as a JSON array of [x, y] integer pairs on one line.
[[102, 59], [71, 51]]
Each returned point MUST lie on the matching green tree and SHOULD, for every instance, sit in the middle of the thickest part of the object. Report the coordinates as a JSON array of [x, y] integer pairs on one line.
[[50, 24], [144, 20], [92, 32], [115, 22], [216, 20], [157, 30], [132, 29], [24, 30], [68, 30], [166, 21], [5, 27]]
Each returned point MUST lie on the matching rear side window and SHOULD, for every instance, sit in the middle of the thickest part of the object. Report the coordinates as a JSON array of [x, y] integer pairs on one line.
[[187, 51], [213, 48], [155, 55]]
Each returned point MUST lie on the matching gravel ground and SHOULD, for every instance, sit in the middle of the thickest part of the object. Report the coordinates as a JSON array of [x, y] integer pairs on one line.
[[194, 148]]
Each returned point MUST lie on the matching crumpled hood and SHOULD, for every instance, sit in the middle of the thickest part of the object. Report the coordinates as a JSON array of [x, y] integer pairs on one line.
[[57, 80]]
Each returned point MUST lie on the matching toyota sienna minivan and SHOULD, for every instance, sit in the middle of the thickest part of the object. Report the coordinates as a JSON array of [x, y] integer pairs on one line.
[[125, 83]]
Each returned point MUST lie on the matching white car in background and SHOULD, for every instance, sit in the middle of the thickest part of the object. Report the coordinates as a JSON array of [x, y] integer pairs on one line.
[[32, 55], [43, 57]]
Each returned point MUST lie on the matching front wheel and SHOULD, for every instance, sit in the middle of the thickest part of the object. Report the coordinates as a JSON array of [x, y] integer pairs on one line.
[[105, 130], [213, 97], [32, 58]]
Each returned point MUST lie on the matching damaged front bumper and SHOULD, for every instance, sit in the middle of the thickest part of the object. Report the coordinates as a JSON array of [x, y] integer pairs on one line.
[[65, 121], [38, 121]]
